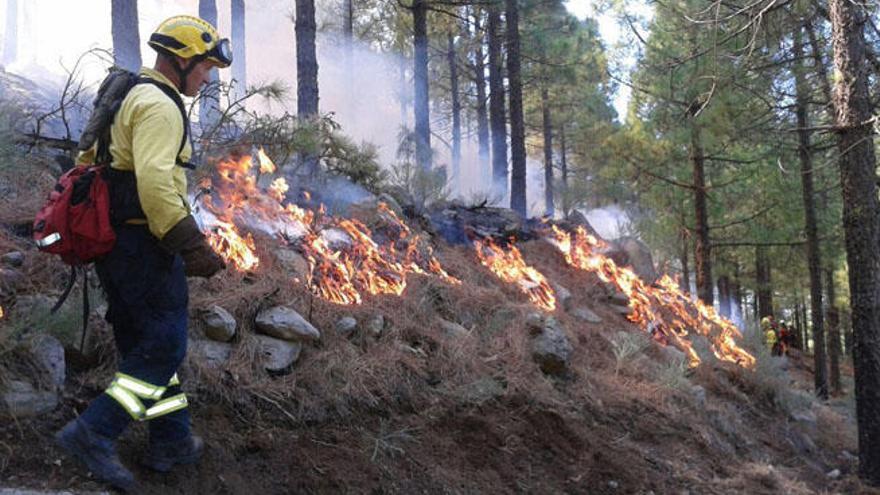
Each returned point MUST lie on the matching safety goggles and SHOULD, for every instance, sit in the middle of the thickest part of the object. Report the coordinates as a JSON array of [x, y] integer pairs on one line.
[[222, 52]]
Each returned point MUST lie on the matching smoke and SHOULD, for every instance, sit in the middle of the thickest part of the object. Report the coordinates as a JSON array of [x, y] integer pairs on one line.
[[610, 221]]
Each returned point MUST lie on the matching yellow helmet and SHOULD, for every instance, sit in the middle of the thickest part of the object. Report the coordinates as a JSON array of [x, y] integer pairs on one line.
[[191, 38]]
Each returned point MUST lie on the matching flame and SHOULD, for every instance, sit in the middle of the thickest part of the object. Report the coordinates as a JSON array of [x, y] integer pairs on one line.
[[651, 307], [345, 259], [510, 267], [1, 312]]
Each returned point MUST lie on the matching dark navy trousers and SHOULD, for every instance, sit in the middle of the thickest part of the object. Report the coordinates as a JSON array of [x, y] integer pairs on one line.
[[147, 306]]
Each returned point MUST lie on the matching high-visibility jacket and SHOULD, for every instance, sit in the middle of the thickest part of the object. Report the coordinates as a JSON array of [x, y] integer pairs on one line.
[[145, 138], [770, 338]]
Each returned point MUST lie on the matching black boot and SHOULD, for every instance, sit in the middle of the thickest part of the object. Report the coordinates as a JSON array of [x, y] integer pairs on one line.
[[98, 453], [163, 456]]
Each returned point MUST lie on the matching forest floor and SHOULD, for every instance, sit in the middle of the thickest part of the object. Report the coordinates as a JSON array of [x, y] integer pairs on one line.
[[413, 410]]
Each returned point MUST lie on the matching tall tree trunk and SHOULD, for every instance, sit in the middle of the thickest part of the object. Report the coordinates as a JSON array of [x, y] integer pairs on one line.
[[209, 106], [683, 257], [563, 163], [724, 296], [420, 72], [404, 91], [348, 53], [806, 323], [306, 73], [861, 220], [549, 208], [497, 114], [456, 110], [736, 292], [480, 82], [833, 319], [10, 44], [820, 374], [517, 122], [763, 283], [126, 36], [239, 50], [820, 68], [702, 248]]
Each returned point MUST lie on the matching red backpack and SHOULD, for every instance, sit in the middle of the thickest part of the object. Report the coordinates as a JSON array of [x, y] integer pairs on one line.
[[75, 221]]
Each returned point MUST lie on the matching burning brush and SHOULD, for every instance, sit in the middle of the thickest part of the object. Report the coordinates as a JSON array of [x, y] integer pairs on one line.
[[508, 265]]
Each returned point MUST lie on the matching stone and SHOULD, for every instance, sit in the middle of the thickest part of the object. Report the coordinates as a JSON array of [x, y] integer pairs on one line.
[[613, 485], [586, 315], [452, 329], [833, 474], [578, 219], [482, 390], [623, 310], [292, 261], [9, 280], [535, 321], [286, 324], [629, 251], [209, 352], [345, 326], [219, 324], [807, 418], [13, 258], [278, 355], [699, 394], [32, 306], [376, 325], [48, 352], [563, 296], [551, 348], [21, 400]]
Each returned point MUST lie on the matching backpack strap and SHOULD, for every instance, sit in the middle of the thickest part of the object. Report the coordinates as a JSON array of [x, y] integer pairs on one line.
[[175, 97]]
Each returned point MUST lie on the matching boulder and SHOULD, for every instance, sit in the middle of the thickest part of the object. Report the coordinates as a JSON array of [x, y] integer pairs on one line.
[[48, 352], [629, 251], [278, 355], [585, 314], [551, 348], [292, 261], [31, 306], [219, 324], [210, 353], [452, 329], [345, 326], [9, 280], [563, 296], [286, 324], [21, 400], [13, 258]]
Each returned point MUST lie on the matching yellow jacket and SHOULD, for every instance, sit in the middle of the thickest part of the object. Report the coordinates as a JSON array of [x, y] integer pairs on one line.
[[770, 338], [145, 137]]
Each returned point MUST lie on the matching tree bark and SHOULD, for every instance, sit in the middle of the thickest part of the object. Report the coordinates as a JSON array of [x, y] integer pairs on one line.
[[126, 36], [420, 73], [209, 106], [456, 109], [306, 73], [239, 48], [861, 220], [517, 122], [814, 263], [10, 44], [833, 323], [480, 82], [806, 324], [683, 257], [763, 283], [702, 246], [549, 208], [497, 114], [563, 164]]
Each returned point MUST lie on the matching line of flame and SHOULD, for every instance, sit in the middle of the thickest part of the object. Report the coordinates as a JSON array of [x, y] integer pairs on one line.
[[509, 266]]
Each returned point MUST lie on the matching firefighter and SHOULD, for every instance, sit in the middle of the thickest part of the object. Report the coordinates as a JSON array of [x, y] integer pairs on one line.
[[785, 338], [770, 337], [158, 245]]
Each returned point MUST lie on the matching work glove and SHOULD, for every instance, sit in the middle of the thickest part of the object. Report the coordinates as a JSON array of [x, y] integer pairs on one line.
[[198, 257]]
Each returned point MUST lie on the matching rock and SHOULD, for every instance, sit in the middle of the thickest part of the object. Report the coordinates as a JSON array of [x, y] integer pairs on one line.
[[9, 280], [623, 310], [48, 352], [535, 321], [292, 261], [833, 474], [30, 307], [21, 400], [563, 296], [551, 348], [617, 297], [13, 258], [210, 353], [699, 394], [336, 239], [578, 219], [376, 325], [345, 326], [278, 354], [286, 324], [586, 315], [613, 485], [629, 251], [807, 418], [482, 390], [219, 324], [452, 329]]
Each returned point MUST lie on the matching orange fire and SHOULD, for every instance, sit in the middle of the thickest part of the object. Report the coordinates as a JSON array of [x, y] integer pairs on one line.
[[345, 260], [509, 265], [664, 311]]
